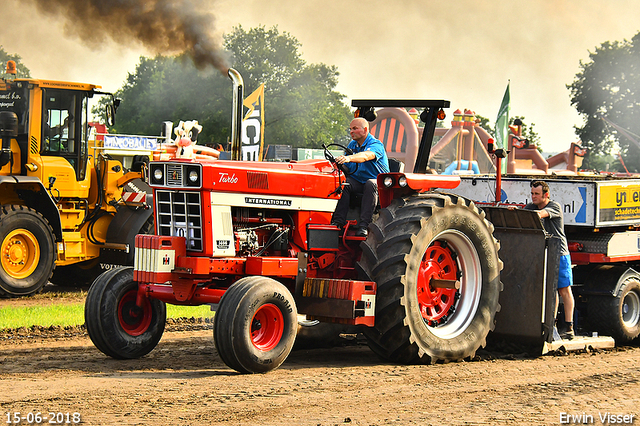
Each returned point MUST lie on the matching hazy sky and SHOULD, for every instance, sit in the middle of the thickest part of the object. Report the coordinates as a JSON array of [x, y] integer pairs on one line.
[[464, 51]]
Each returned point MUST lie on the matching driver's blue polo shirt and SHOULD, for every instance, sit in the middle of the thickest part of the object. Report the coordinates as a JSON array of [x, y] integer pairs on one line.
[[369, 169]]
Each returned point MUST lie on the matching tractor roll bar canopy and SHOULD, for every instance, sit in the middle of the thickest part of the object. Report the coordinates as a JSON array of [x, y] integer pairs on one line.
[[396, 103], [429, 116]]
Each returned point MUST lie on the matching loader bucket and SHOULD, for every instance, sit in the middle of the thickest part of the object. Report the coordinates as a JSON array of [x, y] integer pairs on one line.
[[529, 276]]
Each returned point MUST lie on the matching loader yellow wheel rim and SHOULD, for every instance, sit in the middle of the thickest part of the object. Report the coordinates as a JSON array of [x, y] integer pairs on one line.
[[20, 253]]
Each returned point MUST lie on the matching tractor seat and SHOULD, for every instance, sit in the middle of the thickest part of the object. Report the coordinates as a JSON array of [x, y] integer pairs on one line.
[[395, 165]]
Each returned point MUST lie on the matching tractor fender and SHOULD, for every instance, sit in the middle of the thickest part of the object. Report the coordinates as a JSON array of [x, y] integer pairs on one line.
[[125, 225], [394, 185], [602, 280], [32, 192]]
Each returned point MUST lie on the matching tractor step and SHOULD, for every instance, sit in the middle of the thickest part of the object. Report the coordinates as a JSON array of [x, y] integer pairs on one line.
[[578, 343]]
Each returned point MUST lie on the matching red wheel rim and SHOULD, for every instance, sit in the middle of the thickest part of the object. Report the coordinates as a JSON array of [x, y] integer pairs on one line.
[[133, 319], [267, 327], [437, 303]]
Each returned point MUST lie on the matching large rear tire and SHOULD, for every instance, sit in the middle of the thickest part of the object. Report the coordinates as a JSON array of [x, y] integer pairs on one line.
[[417, 239], [255, 325], [27, 250], [619, 315], [115, 324]]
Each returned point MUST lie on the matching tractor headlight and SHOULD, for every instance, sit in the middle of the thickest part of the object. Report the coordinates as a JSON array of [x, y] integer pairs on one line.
[[387, 182], [157, 174], [193, 174], [402, 181]]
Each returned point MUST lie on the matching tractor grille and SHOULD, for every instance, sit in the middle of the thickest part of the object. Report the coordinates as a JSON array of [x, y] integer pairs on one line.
[[257, 180], [180, 215], [174, 175]]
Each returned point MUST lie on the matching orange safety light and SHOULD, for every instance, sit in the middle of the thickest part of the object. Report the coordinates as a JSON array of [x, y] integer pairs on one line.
[[441, 114], [11, 67]]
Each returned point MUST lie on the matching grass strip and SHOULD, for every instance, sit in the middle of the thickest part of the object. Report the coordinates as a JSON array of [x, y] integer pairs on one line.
[[73, 315]]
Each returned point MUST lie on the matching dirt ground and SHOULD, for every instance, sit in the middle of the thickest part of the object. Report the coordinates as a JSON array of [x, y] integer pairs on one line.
[[183, 381]]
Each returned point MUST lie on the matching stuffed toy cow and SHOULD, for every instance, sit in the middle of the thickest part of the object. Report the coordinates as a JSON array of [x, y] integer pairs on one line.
[[187, 135]]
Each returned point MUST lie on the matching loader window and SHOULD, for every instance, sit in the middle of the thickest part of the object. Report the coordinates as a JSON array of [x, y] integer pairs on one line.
[[64, 127], [15, 98]]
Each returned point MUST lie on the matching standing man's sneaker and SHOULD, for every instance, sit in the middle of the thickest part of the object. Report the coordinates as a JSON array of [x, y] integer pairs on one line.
[[567, 333], [362, 231]]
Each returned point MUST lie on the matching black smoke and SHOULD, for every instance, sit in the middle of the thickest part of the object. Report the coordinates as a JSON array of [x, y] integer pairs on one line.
[[163, 26]]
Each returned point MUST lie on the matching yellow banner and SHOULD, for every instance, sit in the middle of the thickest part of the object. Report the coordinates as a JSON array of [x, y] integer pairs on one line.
[[252, 136], [619, 202]]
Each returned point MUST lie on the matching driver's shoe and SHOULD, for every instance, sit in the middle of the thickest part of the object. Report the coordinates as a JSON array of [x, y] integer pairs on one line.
[[338, 224]]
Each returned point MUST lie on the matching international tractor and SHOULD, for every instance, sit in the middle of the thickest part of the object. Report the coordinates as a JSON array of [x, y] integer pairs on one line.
[[254, 240], [61, 199]]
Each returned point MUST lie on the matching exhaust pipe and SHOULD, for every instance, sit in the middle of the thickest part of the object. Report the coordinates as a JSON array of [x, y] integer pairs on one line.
[[236, 115], [8, 131]]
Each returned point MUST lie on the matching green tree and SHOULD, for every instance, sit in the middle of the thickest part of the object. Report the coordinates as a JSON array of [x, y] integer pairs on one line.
[[608, 86], [23, 71], [172, 89], [302, 108]]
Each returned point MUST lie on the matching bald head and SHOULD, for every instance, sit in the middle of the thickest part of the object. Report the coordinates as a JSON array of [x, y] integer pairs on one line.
[[359, 129], [360, 122]]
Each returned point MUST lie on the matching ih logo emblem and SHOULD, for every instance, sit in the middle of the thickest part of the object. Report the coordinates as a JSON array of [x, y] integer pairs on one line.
[[166, 259]]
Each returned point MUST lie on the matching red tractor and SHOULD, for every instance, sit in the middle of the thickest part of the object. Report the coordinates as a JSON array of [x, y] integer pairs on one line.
[[254, 239]]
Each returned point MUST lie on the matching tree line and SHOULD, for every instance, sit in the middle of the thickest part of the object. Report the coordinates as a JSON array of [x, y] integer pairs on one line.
[[303, 108]]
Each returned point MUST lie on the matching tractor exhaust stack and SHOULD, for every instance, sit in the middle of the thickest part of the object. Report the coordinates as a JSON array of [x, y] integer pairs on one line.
[[236, 115]]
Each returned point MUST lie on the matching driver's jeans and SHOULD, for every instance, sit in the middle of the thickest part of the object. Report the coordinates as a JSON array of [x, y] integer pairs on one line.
[[369, 192]]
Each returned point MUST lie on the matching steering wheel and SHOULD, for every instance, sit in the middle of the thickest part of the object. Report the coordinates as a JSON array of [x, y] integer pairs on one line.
[[342, 167]]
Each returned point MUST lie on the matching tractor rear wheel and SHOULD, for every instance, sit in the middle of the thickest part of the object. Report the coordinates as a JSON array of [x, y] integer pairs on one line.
[[619, 315], [416, 240], [255, 325], [28, 251], [116, 325]]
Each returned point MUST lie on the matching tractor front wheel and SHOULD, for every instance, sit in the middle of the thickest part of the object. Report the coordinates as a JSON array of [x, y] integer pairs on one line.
[[117, 326], [255, 325]]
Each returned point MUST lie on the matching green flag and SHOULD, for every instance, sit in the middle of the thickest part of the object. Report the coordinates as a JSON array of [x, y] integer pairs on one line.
[[502, 122]]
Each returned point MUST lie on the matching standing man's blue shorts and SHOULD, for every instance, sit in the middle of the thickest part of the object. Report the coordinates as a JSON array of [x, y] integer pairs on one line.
[[565, 276]]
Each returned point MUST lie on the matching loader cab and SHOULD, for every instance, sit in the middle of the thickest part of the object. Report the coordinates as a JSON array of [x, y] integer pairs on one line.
[[65, 128]]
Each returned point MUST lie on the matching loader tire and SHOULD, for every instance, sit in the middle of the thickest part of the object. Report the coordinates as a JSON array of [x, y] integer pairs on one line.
[[84, 273], [255, 325], [617, 316], [77, 275], [116, 326], [414, 239], [28, 251]]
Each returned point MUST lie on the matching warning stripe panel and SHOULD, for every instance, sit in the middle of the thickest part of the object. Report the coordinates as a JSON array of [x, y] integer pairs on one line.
[[392, 135], [134, 197]]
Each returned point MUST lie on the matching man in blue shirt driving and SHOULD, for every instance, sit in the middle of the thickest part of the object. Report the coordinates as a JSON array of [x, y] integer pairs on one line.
[[367, 161]]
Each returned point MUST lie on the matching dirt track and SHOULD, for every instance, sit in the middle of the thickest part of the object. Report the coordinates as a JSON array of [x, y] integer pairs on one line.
[[183, 381]]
